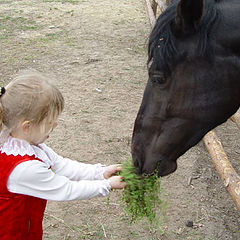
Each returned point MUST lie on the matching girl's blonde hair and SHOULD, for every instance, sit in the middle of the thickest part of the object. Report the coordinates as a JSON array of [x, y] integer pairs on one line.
[[29, 96]]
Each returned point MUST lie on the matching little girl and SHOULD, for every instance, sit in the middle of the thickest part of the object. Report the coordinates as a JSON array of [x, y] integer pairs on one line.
[[32, 173]]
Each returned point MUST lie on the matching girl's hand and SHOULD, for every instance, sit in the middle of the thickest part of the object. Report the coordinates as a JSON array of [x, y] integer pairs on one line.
[[116, 182], [112, 170]]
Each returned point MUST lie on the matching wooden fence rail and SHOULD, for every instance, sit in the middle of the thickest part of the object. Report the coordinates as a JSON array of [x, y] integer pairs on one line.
[[236, 118], [230, 178]]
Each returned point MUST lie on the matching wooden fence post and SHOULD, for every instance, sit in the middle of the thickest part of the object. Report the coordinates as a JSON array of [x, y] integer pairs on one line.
[[151, 13], [154, 7]]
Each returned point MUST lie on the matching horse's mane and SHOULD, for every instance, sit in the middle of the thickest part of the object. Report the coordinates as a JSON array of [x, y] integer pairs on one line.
[[162, 42]]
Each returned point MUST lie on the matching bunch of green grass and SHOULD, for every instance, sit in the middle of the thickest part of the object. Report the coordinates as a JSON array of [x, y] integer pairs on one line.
[[141, 196]]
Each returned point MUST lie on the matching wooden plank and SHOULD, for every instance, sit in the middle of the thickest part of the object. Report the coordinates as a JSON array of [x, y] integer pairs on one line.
[[151, 13], [224, 168], [154, 8], [162, 5], [236, 118]]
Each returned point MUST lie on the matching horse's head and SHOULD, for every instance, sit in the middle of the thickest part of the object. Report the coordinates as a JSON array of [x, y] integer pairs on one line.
[[194, 81]]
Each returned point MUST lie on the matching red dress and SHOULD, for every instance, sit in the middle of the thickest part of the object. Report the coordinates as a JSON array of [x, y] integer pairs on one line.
[[20, 215]]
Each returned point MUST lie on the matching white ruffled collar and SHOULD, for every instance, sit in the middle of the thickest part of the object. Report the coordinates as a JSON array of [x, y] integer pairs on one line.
[[16, 146]]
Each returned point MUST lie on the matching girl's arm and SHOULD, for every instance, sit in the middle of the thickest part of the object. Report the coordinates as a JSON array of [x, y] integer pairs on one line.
[[35, 179], [78, 171], [72, 169]]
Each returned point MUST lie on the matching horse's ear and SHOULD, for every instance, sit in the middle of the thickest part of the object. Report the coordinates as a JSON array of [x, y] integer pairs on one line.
[[188, 16]]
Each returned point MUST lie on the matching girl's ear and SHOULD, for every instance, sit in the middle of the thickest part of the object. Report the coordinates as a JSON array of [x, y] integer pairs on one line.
[[26, 127]]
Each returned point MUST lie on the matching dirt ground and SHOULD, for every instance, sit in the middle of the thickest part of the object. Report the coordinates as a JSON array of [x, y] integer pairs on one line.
[[97, 52]]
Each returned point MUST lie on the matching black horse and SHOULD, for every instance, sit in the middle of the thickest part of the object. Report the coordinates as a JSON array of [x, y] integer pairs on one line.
[[194, 81]]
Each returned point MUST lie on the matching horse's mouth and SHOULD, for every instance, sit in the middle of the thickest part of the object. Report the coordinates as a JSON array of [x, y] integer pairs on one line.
[[148, 166]]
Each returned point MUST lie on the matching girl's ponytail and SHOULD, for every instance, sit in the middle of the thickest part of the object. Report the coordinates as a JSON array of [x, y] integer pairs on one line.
[[4, 131], [2, 91]]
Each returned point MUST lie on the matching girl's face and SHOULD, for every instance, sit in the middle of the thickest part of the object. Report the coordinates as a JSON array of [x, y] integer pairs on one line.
[[40, 133]]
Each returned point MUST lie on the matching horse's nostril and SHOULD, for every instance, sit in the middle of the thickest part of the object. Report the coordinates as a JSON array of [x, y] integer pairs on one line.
[[138, 166], [138, 171]]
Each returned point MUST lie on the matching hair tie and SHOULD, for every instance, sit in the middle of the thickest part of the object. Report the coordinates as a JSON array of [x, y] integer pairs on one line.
[[3, 90]]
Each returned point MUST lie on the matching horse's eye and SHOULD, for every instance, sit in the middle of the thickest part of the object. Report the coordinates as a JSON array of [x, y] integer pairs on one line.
[[159, 79]]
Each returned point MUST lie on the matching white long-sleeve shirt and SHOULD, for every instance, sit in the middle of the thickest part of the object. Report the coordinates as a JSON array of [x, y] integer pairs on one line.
[[55, 178]]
